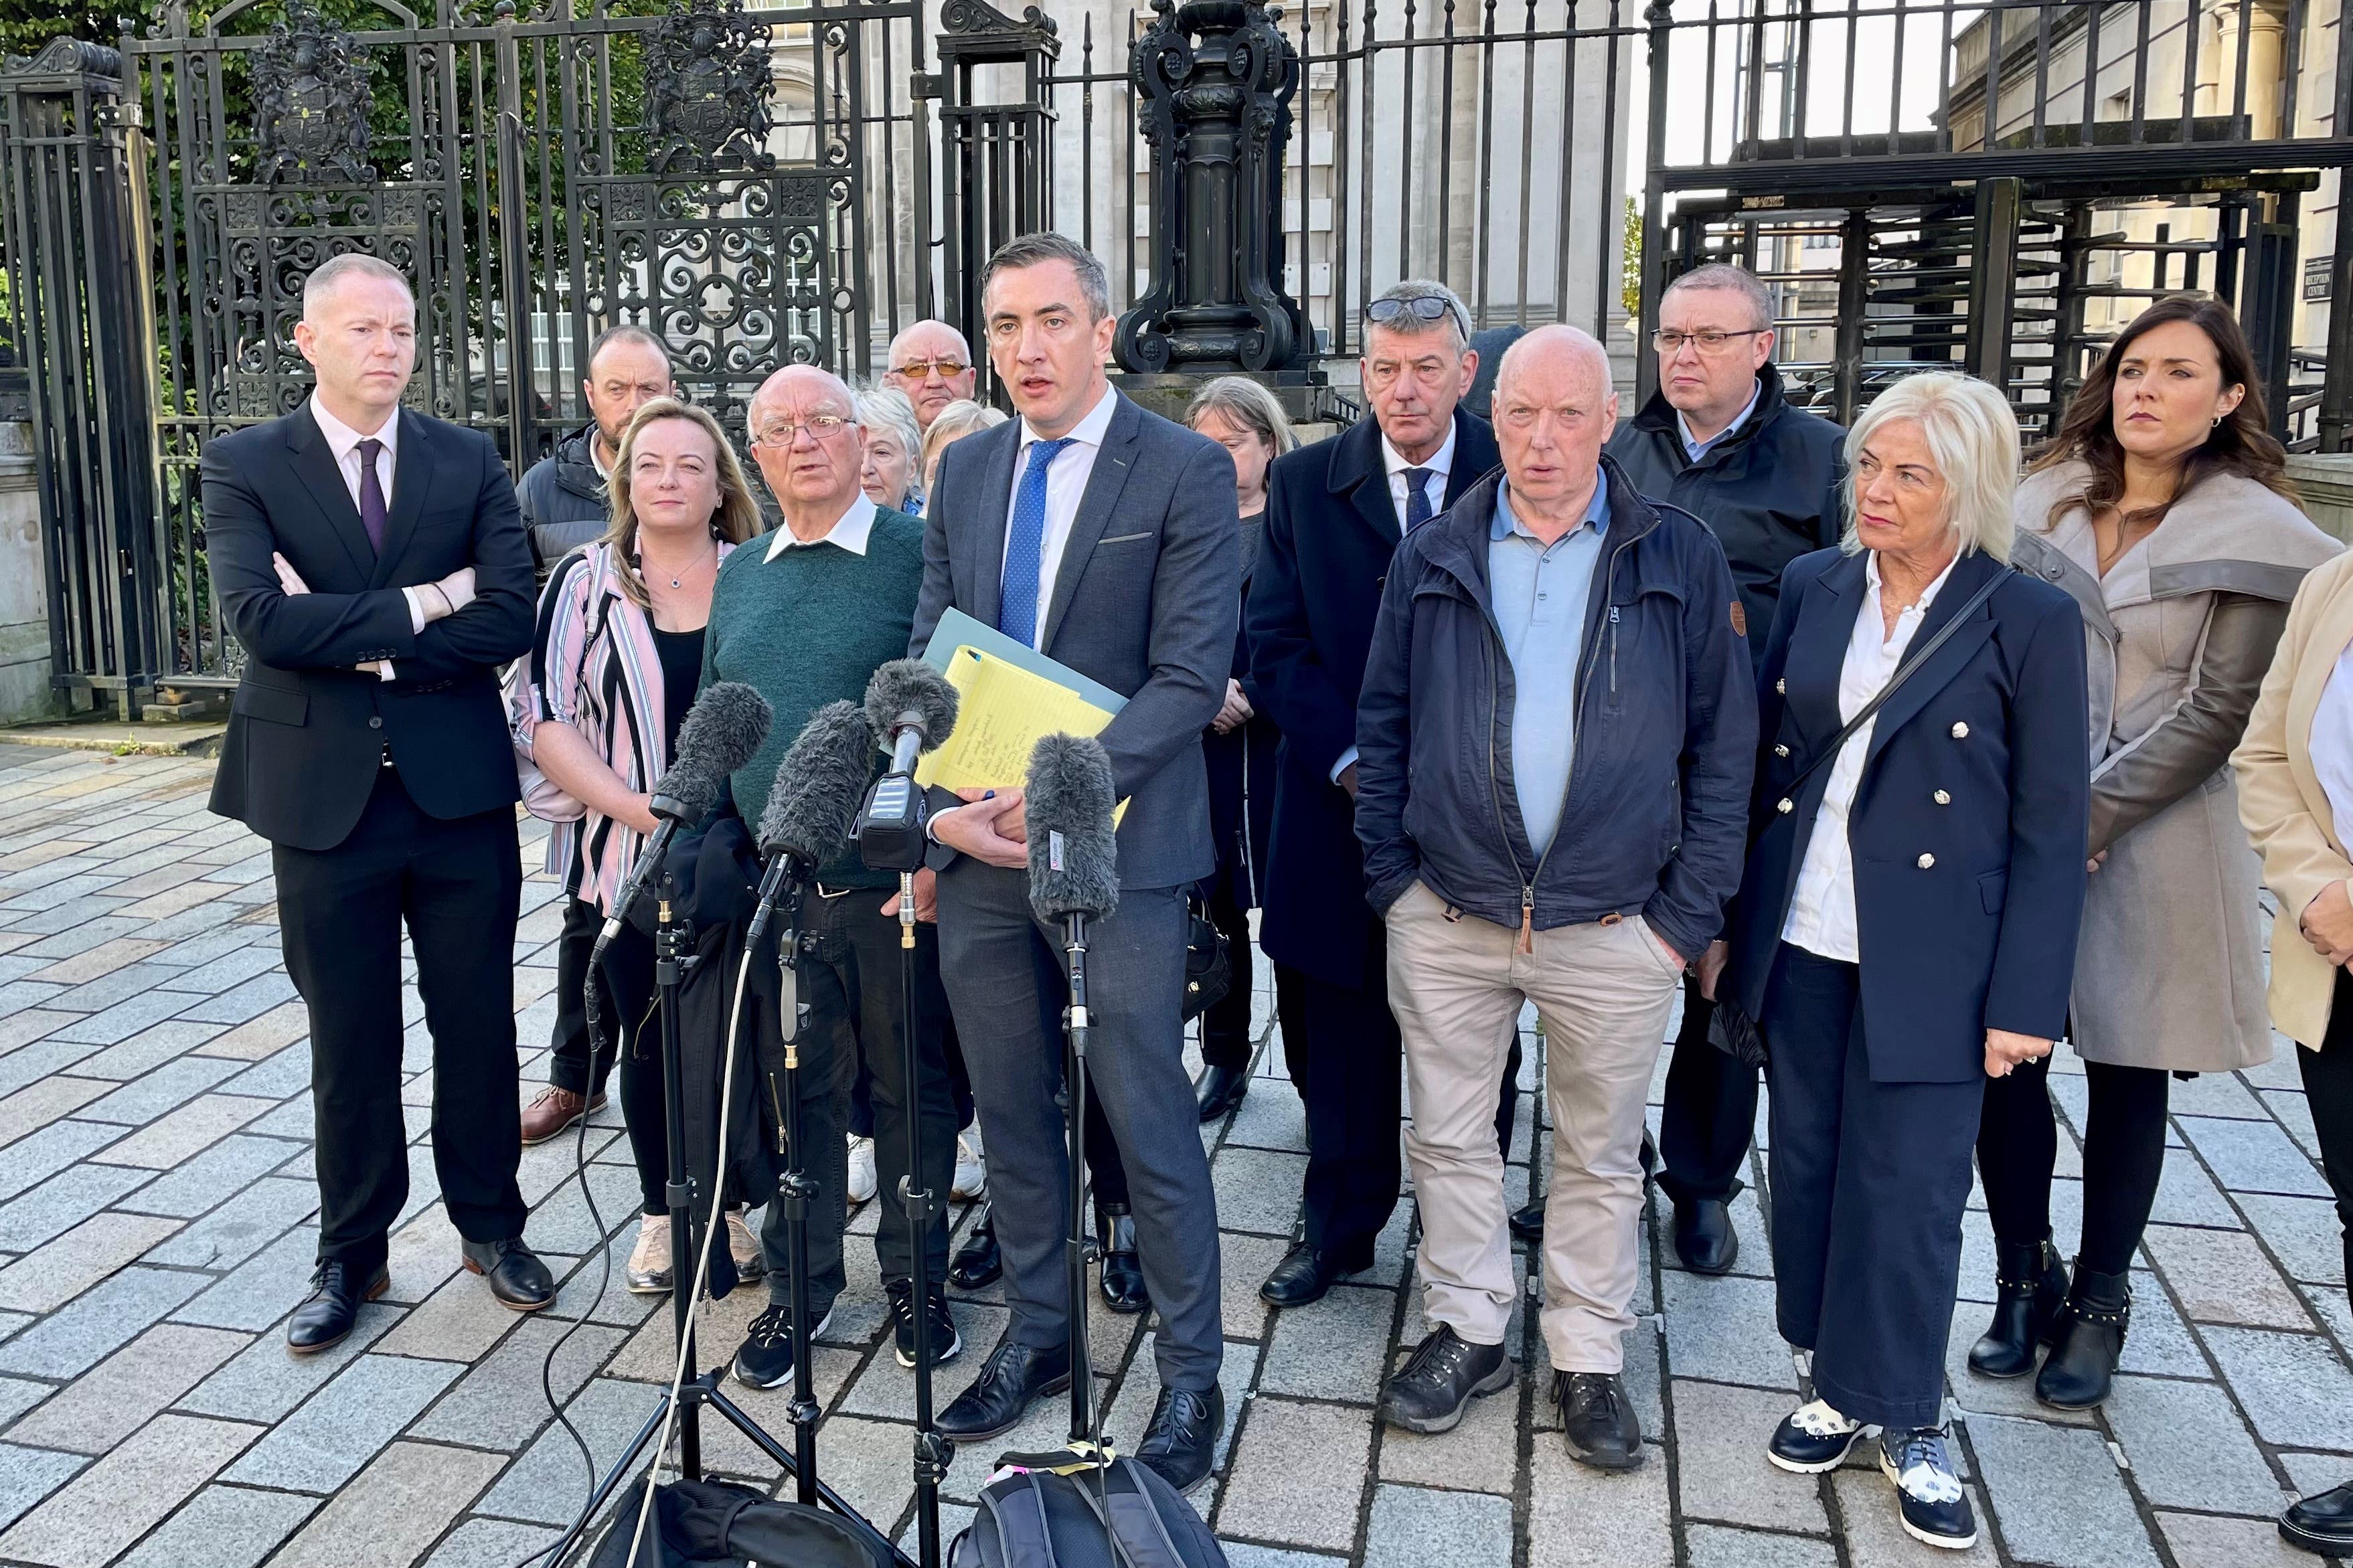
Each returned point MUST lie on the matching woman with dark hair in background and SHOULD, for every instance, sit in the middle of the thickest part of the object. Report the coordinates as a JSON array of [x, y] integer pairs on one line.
[[2162, 506], [1245, 419]]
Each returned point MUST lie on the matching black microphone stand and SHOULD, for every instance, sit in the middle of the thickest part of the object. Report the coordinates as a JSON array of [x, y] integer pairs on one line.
[[674, 959], [1076, 1027]]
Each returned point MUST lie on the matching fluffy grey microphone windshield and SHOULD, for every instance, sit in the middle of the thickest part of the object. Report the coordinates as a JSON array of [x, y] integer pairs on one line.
[[819, 786], [907, 686], [721, 731], [1074, 858]]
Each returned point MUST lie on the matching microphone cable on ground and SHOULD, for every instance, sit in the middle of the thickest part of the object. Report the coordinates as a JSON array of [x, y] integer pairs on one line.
[[593, 1017]]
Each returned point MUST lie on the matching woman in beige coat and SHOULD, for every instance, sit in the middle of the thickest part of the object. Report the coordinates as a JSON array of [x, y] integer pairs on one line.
[[2162, 507], [2295, 796]]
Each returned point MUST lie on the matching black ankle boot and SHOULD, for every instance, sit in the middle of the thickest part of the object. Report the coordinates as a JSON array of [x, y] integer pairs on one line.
[[2089, 1337], [2030, 1287]]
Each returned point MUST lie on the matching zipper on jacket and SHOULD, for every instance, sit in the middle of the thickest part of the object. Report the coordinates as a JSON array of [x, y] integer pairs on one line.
[[1528, 915], [1613, 648]]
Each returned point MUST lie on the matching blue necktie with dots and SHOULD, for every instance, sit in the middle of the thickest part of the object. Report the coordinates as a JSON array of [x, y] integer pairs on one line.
[[1417, 498], [1025, 539]]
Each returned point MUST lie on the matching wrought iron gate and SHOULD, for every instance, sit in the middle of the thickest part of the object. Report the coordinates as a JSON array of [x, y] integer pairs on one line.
[[738, 180]]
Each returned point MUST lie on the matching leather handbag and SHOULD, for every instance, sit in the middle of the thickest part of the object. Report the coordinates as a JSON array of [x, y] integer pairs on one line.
[[1209, 964], [1731, 1030]]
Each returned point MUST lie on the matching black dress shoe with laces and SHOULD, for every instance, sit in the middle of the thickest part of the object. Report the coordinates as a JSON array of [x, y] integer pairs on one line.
[[518, 1279], [945, 1345], [1221, 1089], [333, 1305], [1013, 1374], [1122, 1278], [1447, 1372], [1704, 1238], [977, 1264], [1306, 1272], [2322, 1524], [1597, 1420], [1182, 1441]]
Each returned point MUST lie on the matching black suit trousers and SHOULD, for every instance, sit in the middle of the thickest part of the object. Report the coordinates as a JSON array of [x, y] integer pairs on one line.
[[455, 886]]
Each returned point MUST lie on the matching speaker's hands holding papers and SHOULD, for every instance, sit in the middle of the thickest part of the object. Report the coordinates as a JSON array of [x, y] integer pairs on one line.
[[980, 827]]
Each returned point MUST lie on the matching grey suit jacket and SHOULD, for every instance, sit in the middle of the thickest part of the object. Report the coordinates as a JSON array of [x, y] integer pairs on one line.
[[1146, 599]]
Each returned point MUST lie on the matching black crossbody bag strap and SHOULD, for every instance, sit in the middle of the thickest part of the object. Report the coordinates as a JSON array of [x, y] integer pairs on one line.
[[1903, 672]]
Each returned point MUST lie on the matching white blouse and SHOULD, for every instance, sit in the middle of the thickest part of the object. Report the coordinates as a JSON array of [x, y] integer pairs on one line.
[[2331, 742], [1821, 913]]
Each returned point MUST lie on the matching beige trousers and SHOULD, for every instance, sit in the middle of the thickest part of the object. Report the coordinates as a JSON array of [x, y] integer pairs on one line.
[[1604, 992]]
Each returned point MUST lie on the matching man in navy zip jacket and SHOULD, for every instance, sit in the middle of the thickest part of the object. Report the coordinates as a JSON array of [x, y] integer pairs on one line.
[[1556, 737]]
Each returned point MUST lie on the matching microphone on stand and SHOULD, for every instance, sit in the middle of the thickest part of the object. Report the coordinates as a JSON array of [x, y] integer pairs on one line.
[[721, 731], [1073, 853], [814, 799], [912, 709]]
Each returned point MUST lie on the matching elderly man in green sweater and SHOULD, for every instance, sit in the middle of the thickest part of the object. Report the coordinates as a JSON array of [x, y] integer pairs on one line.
[[805, 617]]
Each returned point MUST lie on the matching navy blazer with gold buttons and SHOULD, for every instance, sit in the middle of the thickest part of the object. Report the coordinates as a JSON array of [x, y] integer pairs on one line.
[[1968, 826]]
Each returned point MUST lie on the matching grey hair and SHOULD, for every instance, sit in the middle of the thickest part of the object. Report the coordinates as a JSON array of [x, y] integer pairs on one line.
[[1247, 404], [958, 419], [1036, 250], [337, 270], [1971, 435], [1725, 278], [1408, 324], [889, 413], [627, 332]]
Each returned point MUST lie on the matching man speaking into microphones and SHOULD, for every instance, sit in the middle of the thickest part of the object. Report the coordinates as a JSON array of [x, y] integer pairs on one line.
[[1106, 539], [805, 616]]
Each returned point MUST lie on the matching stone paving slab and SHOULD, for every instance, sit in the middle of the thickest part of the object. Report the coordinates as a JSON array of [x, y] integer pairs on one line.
[[157, 1220]]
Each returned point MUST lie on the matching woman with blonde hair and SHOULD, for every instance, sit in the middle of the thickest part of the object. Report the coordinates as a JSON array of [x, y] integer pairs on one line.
[[613, 669], [1906, 927], [2163, 508]]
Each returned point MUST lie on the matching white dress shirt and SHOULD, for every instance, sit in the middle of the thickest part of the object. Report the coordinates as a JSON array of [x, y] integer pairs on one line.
[[344, 443], [1821, 913], [2331, 743], [1066, 486], [851, 531], [1440, 463]]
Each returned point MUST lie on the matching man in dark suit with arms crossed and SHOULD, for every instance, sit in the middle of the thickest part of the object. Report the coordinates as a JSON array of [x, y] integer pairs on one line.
[[1105, 537], [373, 563]]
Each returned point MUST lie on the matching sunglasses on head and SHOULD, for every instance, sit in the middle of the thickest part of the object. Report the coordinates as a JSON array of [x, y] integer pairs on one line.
[[1429, 308]]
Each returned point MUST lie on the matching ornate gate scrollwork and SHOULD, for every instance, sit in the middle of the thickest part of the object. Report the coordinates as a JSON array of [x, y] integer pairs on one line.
[[310, 94]]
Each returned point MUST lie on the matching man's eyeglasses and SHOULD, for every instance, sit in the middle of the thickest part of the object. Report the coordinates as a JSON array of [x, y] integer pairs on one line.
[[1707, 343], [915, 370], [1427, 307], [821, 427]]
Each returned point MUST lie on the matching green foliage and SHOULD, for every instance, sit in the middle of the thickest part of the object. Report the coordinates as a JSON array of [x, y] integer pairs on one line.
[[26, 24], [1629, 262]]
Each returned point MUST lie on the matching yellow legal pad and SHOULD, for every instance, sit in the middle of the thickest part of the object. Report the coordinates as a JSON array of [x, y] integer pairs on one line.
[[1002, 712]]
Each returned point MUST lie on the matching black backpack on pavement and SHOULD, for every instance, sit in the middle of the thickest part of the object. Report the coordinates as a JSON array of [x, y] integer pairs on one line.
[[1057, 1509]]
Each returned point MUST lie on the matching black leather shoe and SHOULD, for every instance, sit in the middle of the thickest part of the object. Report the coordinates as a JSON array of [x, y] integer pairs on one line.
[[1122, 1278], [2090, 1337], [2322, 1524], [1597, 1420], [1527, 1221], [1447, 1372], [518, 1279], [1222, 1089], [1704, 1238], [1013, 1374], [2029, 1286], [977, 1263], [1306, 1272], [1182, 1441], [336, 1292]]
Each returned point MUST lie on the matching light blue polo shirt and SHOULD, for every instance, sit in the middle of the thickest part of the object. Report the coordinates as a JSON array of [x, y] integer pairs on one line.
[[1540, 595]]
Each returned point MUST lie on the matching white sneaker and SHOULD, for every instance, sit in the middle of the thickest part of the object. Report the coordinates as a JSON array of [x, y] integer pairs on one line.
[[972, 1164], [650, 1266], [751, 1263], [862, 1181]]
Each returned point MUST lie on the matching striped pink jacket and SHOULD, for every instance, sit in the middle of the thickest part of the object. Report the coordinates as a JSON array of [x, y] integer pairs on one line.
[[593, 666]]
